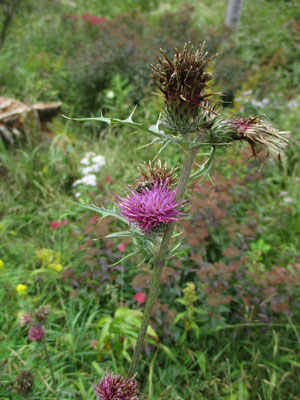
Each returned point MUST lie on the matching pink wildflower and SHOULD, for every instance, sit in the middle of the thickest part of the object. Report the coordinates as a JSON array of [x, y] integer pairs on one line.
[[94, 343], [140, 297], [25, 319], [36, 333], [122, 247], [115, 387]]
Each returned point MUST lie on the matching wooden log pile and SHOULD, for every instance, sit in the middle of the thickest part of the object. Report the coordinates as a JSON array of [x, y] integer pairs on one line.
[[18, 118]]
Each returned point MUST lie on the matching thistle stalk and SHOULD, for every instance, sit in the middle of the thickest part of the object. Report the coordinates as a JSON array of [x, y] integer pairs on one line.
[[50, 367], [160, 259]]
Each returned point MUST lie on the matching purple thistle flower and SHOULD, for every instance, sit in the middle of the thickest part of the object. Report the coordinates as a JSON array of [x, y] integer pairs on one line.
[[36, 333], [150, 209], [115, 387]]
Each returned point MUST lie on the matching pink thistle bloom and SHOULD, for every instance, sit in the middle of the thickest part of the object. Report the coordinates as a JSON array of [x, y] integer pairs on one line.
[[55, 224], [150, 209], [95, 218], [25, 319], [122, 247], [94, 343], [140, 297], [36, 333], [115, 387]]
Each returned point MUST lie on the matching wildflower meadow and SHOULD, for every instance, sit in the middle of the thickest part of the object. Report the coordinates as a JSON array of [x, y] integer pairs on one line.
[[150, 191]]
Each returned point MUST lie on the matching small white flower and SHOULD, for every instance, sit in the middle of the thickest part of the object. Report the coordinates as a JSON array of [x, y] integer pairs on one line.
[[99, 160], [288, 199], [92, 168], [86, 158], [88, 180], [110, 94], [77, 194]]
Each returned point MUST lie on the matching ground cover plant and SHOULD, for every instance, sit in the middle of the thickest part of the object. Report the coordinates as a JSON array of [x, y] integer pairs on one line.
[[225, 324]]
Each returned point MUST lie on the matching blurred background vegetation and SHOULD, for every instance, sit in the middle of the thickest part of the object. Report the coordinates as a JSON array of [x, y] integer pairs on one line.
[[227, 320]]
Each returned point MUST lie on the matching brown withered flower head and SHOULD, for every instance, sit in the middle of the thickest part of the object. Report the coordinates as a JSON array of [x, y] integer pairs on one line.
[[42, 314], [157, 172], [25, 380], [183, 82], [259, 135]]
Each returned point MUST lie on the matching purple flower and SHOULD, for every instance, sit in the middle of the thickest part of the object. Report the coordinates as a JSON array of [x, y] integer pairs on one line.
[[150, 209], [115, 387], [36, 333]]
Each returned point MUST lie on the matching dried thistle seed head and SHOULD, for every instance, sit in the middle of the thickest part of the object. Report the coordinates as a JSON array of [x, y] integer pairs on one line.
[[259, 135], [183, 81], [42, 314], [157, 172], [25, 380]]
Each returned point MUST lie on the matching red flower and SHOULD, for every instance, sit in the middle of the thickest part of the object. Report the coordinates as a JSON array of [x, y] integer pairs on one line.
[[108, 179], [55, 224], [140, 297], [95, 218]]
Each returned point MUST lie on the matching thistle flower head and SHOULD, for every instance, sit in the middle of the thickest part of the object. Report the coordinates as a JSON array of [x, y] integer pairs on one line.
[[25, 380], [158, 172], [150, 209], [25, 318], [42, 314], [115, 387], [259, 136], [183, 82], [36, 333]]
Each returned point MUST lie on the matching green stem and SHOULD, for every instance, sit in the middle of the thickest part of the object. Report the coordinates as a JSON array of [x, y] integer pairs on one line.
[[51, 367], [159, 260]]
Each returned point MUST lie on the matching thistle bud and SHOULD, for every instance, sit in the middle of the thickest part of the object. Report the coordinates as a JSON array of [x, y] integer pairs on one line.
[[25, 380], [158, 172]]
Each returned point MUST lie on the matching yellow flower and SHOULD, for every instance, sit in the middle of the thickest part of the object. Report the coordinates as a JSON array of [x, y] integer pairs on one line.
[[58, 267], [22, 289], [1, 264], [45, 256]]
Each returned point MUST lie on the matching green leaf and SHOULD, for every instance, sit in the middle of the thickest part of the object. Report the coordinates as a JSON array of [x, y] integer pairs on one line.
[[201, 359], [103, 211], [168, 353]]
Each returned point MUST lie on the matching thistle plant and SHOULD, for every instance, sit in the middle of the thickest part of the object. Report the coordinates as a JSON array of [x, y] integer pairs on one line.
[[37, 333], [192, 119]]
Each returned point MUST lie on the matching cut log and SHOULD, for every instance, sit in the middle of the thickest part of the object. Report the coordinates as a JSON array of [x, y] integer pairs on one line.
[[47, 111], [16, 117]]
